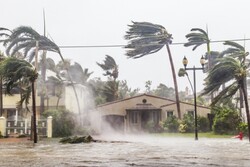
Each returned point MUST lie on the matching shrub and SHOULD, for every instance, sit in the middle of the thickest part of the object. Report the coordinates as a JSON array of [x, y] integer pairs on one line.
[[226, 121], [171, 124], [187, 124], [242, 127], [63, 122], [203, 124]]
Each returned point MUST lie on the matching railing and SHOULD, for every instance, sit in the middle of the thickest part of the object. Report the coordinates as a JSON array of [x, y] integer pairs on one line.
[[12, 127], [24, 127]]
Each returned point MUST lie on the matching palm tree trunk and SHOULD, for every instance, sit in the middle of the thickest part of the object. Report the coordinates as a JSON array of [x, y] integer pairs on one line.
[[43, 74], [34, 112], [175, 82], [57, 102], [247, 108]]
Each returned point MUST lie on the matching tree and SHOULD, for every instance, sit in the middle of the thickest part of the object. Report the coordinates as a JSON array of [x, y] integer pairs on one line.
[[231, 70], [146, 38], [182, 72], [164, 91], [148, 85], [110, 89], [124, 91], [110, 67], [29, 41], [16, 73], [198, 37]]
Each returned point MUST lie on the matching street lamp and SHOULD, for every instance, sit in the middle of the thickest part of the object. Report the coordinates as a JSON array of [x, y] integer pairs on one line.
[[185, 62]]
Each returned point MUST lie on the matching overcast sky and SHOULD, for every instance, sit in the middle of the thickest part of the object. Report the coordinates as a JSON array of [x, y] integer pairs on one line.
[[104, 22]]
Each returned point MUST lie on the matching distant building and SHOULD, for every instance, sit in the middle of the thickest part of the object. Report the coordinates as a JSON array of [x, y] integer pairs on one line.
[[135, 113]]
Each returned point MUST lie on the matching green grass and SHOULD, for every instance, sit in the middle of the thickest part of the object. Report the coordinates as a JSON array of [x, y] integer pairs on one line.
[[200, 135]]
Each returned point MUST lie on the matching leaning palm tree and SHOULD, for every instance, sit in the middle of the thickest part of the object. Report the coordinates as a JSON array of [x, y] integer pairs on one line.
[[233, 72], [147, 38], [21, 74], [181, 73], [28, 41], [197, 38], [111, 70], [110, 67]]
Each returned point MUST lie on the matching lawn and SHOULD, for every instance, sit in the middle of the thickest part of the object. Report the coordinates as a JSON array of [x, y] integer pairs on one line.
[[200, 135]]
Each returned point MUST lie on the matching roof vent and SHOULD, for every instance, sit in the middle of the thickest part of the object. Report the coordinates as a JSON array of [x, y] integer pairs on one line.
[[144, 101]]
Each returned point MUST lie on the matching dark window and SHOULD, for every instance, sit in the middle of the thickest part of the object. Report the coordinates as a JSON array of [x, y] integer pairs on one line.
[[170, 113], [191, 113]]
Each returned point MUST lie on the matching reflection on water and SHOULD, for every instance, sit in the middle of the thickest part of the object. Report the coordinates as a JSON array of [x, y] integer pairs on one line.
[[129, 151]]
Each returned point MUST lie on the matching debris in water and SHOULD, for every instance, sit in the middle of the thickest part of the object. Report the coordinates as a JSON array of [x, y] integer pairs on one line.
[[77, 139]]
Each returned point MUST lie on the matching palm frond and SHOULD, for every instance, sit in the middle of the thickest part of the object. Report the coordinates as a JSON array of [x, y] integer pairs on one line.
[[145, 38], [226, 94], [221, 73], [234, 44], [199, 29], [196, 38]]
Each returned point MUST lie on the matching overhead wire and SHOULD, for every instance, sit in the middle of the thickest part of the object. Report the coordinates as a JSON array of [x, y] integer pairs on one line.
[[120, 46]]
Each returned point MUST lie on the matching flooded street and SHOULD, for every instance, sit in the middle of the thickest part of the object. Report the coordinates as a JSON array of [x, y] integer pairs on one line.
[[129, 151]]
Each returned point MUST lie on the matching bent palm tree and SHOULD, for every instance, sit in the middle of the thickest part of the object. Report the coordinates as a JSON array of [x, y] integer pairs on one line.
[[232, 71], [182, 72], [198, 37], [25, 39], [110, 67], [16, 73], [147, 38]]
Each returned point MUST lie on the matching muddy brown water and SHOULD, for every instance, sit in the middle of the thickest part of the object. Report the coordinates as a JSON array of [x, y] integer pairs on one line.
[[123, 151]]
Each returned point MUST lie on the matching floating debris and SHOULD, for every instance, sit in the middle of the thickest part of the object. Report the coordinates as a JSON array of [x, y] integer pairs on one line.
[[77, 139]]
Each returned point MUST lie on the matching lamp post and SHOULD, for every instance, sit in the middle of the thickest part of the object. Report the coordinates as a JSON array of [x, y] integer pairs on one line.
[[185, 62]]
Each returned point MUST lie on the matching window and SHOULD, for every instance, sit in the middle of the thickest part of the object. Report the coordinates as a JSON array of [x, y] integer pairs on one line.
[[191, 112], [170, 113]]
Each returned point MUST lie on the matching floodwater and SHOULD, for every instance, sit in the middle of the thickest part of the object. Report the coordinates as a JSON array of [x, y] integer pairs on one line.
[[123, 151]]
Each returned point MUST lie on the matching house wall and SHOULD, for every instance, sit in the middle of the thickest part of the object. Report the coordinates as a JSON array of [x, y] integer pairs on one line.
[[85, 99], [185, 107], [119, 107]]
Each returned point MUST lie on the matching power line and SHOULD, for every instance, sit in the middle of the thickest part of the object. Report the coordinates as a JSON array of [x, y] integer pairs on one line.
[[121, 46]]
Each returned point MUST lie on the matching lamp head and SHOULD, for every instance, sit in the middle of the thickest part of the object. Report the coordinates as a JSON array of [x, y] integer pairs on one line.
[[185, 61], [202, 61]]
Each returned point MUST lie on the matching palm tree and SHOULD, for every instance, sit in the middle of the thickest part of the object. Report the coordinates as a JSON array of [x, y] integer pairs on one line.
[[232, 70], [111, 70], [182, 72], [16, 73], [28, 41], [147, 38], [198, 37], [110, 67]]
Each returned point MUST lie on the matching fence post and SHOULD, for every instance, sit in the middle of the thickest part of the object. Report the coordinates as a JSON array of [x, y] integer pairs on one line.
[[49, 127], [3, 126]]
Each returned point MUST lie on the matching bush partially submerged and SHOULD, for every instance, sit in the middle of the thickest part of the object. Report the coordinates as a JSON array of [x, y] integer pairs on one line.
[[76, 139]]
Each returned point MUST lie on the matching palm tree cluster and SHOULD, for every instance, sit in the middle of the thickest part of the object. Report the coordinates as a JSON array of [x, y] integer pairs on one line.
[[230, 70], [25, 43]]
